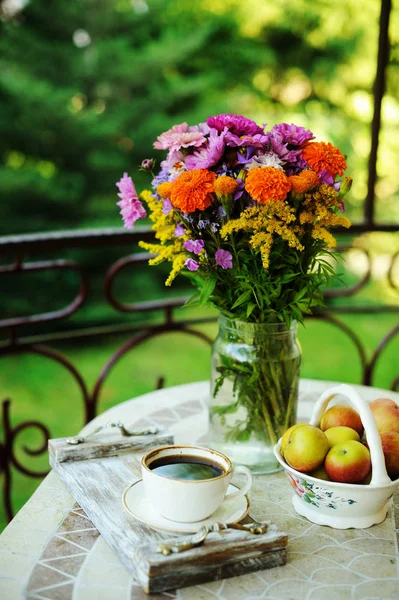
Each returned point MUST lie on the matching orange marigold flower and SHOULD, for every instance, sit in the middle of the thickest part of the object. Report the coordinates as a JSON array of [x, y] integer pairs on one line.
[[164, 189], [323, 155], [225, 185], [267, 183], [304, 181], [193, 190]]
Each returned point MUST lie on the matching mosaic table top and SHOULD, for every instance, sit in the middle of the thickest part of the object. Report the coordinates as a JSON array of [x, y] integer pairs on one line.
[[51, 550]]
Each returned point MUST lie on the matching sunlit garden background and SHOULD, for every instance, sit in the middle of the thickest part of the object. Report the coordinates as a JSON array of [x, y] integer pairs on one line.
[[85, 89]]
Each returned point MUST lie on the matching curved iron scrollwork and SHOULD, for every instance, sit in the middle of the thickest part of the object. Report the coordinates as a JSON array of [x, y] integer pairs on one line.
[[138, 334], [8, 455], [20, 267]]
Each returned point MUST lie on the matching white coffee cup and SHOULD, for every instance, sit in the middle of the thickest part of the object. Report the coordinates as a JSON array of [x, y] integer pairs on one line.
[[187, 500]]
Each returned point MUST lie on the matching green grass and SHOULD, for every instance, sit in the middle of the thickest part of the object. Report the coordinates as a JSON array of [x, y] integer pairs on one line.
[[44, 391]]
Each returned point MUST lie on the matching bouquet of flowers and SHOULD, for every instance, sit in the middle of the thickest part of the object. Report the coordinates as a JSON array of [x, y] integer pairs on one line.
[[246, 214]]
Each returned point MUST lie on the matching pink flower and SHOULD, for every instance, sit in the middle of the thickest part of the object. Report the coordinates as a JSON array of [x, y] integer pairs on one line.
[[194, 246], [224, 259], [192, 264], [174, 158], [179, 230], [298, 488], [131, 207], [259, 140], [209, 154], [180, 136], [167, 206]]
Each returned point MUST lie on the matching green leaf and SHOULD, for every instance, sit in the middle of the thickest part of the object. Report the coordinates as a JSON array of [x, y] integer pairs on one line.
[[242, 298], [207, 289], [250, 308]]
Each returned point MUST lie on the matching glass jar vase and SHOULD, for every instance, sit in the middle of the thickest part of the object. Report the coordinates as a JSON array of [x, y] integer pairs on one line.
[[254, 390]]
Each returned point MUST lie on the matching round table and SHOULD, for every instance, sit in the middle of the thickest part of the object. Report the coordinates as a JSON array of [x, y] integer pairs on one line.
[[51, 550]]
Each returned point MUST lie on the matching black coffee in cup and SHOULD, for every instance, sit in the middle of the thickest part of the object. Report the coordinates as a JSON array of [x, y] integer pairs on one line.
[[181, 466]]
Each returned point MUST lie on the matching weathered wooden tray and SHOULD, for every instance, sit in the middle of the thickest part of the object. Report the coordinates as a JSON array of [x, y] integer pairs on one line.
[[97, 485]]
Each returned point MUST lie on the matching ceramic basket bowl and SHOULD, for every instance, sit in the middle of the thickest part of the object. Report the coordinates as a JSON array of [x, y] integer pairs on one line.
[[343, 505]]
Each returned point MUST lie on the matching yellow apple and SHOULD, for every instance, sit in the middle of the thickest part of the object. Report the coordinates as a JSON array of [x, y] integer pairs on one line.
[[286, 436], [386, 414], [306, 448], [337, 435], [348, 462], [341, 415]]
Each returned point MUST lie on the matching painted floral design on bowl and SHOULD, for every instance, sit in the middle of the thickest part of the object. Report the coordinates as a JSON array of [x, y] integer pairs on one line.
[[316, 495]]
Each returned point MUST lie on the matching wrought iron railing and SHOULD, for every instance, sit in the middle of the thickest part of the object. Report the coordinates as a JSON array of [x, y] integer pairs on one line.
[[15, 249]]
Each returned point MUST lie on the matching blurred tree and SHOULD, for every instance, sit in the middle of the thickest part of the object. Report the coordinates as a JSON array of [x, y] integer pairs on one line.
[[86, 87]]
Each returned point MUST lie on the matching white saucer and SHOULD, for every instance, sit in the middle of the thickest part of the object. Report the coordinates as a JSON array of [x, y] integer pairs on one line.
[[135, 503]]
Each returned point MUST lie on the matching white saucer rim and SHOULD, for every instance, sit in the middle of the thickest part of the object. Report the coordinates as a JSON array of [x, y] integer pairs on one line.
[[173, 530]]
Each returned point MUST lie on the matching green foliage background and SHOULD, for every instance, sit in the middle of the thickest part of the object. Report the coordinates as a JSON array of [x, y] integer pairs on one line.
[[85, 88]]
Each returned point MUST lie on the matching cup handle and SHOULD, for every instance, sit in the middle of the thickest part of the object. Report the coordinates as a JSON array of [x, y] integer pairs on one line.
[[247, 485]]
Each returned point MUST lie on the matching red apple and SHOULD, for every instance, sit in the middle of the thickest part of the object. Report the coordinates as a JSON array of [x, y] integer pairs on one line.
[[390, 447], [348, 462], [386, 414], [342, 415]]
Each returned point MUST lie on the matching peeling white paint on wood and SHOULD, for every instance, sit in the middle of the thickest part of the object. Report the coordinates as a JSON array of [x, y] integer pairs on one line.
[[110, 444], [97, 485]]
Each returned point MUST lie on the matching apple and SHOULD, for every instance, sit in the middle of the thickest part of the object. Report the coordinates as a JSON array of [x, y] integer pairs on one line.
[[341, 415], [390, 447], [306, 448], [368, 479], [286, 436], [348, 462], [320, 473], [337, 435], [386, 414]]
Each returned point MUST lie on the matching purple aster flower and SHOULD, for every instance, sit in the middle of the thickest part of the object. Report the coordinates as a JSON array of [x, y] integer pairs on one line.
[[167, 206], [293, 168], [326, 177], [292, 134], [249, 153], [203, 223], [286, 141], [240, 190], [160, 178], [192, 264], [209, 154], [221, 212], [179, 230], [235, 124], [194, 246], [131, 207], [280, 147], [214, 227], [224, 259], [259, 140]]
